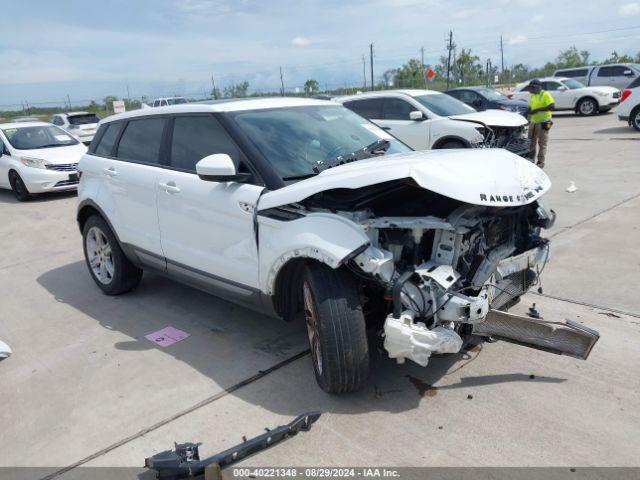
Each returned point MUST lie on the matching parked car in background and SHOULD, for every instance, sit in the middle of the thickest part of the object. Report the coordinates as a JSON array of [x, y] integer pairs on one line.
[[166, 101], [426, 119], [618, 75], [629, 108], [82, 125], [25, 119], [38, 157], [303, 210], [569, 94], [485, 98]]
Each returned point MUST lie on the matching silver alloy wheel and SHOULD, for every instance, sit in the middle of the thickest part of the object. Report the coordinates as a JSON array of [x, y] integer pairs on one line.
[[311, 319], [587, 107], [99, 255], [636, 120]]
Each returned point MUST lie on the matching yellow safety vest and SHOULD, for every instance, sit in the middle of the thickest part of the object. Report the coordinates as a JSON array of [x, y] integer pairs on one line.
[[542, 99]]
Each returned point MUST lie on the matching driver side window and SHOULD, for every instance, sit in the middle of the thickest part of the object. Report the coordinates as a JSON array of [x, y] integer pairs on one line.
[[551, 86]]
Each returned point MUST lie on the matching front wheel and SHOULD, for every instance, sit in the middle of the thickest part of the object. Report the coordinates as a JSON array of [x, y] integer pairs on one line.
[[587, 106], [336, 329], [109, 267], [18, 187]]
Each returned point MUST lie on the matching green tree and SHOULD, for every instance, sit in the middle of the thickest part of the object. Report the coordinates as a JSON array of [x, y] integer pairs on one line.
[[311, 86], [409, 75], [236, 90], [467, 67], [571, 57], [615, 58]]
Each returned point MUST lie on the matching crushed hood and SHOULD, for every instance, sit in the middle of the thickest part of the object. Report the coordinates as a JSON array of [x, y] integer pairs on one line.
[[492, 176], [494, 118]]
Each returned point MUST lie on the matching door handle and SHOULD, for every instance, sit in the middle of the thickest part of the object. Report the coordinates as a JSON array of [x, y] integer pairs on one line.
[[386, 128], [169, 187], [110, 172]]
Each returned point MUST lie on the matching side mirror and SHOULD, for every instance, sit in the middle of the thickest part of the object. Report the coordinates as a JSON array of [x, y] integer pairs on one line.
[[562, 89], [219, 168], [416, 115], [628, 73]]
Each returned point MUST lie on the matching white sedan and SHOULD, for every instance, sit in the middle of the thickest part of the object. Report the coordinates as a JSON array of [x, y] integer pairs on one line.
[[38, 157], [569, 94]]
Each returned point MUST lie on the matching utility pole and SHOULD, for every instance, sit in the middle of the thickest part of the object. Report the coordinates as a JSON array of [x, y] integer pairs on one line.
[[128, 94], [371, 60], [488, 70], [364, 72], [69, 100], [422, 66], [450, 48], [281, 83], [501, 59]]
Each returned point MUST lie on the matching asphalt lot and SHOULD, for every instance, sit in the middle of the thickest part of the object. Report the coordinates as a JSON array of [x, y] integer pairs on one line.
[[84, 385]]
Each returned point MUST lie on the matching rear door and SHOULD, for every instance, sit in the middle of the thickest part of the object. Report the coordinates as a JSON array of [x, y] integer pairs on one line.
[[613, 76], [130, 173], [207, 228]]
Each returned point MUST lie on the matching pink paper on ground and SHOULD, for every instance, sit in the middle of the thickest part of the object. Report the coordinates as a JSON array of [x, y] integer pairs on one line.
[[167, 336]]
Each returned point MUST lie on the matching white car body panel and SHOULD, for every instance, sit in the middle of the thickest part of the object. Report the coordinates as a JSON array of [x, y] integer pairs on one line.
[[480, 177], [632, 101], [568, 99], [39, 180]]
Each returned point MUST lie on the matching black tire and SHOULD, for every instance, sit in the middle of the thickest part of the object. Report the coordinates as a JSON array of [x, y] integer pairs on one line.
[[124, 275], [452, 144], [336, 328], [18, 187], [587, 106], [634, 118]]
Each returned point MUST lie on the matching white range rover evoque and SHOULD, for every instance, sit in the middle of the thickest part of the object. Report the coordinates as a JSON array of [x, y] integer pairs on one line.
[[303, 209]]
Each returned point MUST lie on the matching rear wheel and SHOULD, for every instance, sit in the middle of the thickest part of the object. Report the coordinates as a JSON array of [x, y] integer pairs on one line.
[[634, 118], [336, 329], [109, 267], [587, 106], [19, 188]]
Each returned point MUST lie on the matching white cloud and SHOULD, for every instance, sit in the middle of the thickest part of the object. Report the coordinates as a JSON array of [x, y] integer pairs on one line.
[[301, 42], [537, 18], [465, 13], [630, 9], [515, 40]]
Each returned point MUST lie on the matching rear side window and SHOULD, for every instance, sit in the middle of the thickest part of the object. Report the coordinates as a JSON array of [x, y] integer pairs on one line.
[[196, 137], [578, 72], [105, 146], [369, 108], [617, 71], [397, 109], [141, 140]]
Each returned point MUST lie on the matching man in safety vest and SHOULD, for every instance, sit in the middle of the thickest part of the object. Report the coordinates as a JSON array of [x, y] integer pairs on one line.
[[540, 106]]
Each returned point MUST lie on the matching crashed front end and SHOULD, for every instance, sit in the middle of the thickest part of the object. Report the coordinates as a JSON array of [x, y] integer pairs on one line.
[[445, 274]]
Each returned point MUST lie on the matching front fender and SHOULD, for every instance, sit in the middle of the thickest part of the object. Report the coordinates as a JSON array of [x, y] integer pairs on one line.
[[326, 237]]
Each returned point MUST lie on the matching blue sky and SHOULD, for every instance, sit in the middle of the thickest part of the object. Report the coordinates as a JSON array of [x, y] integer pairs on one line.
[[92, 49]]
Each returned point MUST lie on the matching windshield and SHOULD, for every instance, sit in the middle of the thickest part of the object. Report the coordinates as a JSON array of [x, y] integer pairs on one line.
[[295, 140], [176, 101], [83, 119], [444, 105], [491, 94], [30, 138], [572, 84]]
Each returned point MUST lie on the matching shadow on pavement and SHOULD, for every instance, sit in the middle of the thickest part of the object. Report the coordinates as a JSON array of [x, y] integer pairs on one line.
[[229, 344], [7, 196], [622, 129]]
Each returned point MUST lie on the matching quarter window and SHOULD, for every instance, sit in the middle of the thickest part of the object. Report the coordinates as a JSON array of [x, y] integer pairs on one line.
[[105, 146], [581, 72], [197, 137], [397, 109], [141, 140]]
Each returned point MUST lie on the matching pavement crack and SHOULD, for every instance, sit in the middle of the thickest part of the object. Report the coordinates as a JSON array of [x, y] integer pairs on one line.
[[586, 304], [193, 408], [594, 216]]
